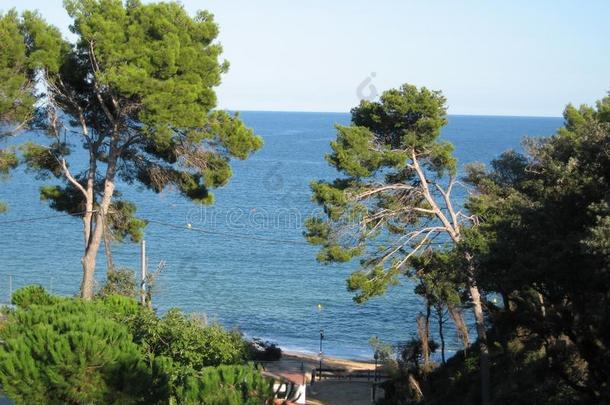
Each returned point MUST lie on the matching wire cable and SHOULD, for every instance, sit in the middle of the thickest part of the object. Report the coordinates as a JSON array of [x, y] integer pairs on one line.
[[187, 227], [35, 219]]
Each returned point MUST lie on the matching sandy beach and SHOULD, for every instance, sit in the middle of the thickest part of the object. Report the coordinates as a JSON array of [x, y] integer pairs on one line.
[[312, 361]]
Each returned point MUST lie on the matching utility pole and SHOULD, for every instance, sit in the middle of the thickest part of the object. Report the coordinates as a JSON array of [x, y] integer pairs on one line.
[[143, 272]]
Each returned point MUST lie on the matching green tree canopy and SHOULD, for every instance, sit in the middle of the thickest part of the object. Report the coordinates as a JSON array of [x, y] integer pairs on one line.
[[380, 197], [187, 340], [16, 98], [543, 243], [16, 78], [135, 95]]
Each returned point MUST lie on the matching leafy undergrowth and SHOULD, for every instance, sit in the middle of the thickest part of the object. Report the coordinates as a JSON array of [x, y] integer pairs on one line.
[[112, 350]]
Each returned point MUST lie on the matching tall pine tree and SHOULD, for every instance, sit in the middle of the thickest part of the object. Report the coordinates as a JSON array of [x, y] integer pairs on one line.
[[395, 199], [135, 93]]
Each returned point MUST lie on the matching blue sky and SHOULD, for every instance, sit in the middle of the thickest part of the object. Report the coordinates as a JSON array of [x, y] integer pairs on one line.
[[504, 58]]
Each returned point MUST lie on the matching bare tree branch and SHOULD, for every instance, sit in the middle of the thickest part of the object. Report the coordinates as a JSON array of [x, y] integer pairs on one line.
[[426, 192], [382, 189], [447, 198]]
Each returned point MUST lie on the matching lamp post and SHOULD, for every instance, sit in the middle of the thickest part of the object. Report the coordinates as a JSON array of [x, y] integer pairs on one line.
[[321, 339]]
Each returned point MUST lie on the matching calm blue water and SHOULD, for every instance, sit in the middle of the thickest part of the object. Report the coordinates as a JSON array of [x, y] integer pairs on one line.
[[268, 289]]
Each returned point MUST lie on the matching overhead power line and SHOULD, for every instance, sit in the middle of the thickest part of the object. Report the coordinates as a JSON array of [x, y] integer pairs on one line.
[[187, 227], [35, 219]]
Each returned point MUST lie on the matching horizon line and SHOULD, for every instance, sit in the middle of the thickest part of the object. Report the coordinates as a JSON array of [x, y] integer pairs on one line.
[[347, 112]]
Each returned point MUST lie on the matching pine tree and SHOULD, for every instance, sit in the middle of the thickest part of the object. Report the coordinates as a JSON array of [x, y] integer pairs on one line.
[[440, 285], [395, 198], [135, 95]]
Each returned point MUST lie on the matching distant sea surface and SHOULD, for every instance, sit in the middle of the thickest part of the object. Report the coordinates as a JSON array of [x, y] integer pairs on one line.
[[251, 269]]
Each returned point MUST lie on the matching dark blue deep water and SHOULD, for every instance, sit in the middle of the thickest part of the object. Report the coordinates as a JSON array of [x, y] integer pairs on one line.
[[245, 274]]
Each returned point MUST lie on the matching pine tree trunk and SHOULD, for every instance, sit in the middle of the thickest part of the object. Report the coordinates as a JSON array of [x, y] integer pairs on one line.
[[108, 247], [441, 333], [89, 259], [460, 325], [97, 233], [452, 227], [86, 286], [422, 331], [477, 305]]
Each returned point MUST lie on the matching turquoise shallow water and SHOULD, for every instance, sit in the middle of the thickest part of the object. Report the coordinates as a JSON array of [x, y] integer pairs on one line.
[[265, 287]]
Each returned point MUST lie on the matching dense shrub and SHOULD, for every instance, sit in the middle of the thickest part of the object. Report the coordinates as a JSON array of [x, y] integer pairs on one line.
[[119, 282], [225, 385], [68, 351], [187, 340], [112, 350], [32, 295]]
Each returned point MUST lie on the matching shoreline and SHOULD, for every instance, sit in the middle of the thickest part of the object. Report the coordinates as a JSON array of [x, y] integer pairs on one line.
[[332, 361]]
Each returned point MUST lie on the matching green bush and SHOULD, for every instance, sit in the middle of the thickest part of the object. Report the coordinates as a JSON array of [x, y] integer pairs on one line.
[[226, 385], [69, 352], [188, 341], [112, 350], [32, 295], [119, 282]]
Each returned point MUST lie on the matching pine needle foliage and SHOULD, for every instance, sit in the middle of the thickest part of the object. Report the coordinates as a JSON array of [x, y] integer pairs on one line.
[[59, 350], [69, 352]]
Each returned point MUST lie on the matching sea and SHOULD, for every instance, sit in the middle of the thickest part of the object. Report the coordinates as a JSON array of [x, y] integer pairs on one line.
[[243, 261]]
